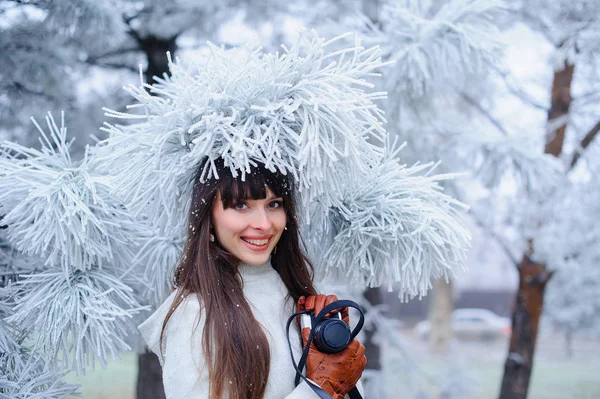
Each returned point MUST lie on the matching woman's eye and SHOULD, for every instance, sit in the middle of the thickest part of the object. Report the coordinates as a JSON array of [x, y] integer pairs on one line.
[[276, 204], [240, 206]]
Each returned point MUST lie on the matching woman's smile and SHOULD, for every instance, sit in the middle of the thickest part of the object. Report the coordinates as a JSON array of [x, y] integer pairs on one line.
[[257, 244]]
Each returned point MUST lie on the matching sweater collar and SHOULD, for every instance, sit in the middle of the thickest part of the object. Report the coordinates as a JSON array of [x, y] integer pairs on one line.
[[255, 272]]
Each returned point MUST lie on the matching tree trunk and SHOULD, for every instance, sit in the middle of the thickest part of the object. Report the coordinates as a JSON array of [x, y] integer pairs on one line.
[[533, 277], [149, 382], [156, 54], [373, 385], [569, 343], [372, 350], [440, 317]]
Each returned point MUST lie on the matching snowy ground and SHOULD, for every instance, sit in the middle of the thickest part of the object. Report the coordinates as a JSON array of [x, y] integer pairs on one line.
[[474, 367]]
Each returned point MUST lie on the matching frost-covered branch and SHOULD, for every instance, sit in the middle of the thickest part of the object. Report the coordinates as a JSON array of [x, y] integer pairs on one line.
[[392, 225], [493, 158], [61, 210], [489, 231], [78, 320], [430, 51], [587, 140], [301, 112], [73, 302]]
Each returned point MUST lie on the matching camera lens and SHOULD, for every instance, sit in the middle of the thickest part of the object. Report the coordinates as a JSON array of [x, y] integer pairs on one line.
[[332, 335]]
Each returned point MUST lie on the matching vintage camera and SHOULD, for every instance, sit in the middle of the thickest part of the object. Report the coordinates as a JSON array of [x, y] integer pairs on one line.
[[332, 335]]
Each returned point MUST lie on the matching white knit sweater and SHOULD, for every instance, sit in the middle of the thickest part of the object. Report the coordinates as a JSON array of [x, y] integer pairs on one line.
[[184, 374]]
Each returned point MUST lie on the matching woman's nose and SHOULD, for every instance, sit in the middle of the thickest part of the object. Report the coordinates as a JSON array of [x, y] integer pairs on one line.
[[260, 220]]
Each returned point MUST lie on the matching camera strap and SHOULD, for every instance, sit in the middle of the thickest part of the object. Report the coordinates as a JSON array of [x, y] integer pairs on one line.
[[354, 394]]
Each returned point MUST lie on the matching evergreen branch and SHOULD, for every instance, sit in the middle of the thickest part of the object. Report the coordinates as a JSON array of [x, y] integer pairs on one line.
[[587, 140], [78, 319], [392, 224], [60, 210]]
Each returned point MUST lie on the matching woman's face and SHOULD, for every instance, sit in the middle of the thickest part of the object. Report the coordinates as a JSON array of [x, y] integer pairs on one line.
[[250, 230]]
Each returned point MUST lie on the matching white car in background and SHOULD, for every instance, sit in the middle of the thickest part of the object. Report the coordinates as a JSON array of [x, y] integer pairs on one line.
[[472, 324]]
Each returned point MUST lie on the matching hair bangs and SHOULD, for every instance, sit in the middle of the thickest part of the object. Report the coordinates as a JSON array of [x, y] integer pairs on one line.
[[234, 189]]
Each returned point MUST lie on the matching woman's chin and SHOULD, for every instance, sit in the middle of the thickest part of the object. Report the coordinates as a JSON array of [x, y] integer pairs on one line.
[[255, 258]]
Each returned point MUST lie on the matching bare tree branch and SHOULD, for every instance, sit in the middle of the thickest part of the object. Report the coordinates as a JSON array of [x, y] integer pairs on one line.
[[22, 88], [582, 96], [587, 140], [485, 113], [131, 31], [95, 58], [114, 65], [517, 91], [496, 238]]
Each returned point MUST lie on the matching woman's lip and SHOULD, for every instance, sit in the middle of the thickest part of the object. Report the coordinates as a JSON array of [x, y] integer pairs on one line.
[[257, 237], [253, 247]]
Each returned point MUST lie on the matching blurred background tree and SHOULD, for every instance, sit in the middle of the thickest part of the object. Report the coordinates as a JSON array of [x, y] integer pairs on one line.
[[531, 169]]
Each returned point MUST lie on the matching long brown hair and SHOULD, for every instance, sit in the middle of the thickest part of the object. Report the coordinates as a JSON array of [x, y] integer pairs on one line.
[[208, 270]]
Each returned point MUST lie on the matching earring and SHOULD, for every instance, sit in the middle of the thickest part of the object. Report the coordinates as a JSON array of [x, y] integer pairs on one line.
[[211, 237], [285, 228]]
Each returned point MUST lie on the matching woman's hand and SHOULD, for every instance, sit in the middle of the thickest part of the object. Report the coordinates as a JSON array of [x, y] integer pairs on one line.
[[316, 303], [336, 373]]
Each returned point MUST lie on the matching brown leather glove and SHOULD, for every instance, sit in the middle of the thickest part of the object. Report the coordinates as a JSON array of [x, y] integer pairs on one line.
[[316, 303], [336, 373]]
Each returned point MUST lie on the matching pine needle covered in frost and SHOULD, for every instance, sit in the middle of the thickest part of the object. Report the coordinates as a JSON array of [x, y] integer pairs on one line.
[[434, 51], [23, 375], [79, 320], [61, 210], [393, 225], [155, 260], [299, 112]]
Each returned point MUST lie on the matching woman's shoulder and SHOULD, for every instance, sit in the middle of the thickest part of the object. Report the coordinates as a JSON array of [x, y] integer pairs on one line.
[[185, 317]]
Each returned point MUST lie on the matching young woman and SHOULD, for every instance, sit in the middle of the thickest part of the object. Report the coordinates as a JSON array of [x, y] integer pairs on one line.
[[221, 333]]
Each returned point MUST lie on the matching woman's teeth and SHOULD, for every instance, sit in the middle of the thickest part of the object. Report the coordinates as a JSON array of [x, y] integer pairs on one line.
[[256, 242]]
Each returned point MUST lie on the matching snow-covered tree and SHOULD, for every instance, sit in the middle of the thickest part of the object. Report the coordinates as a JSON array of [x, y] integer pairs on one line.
[[444, 94], [568, 244], [79, 303], [447, 92], [66, 264], [76, 55]]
